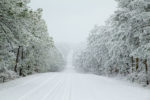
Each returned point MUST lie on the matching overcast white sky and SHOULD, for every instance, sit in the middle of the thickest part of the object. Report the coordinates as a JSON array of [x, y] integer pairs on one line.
[[71, 20]]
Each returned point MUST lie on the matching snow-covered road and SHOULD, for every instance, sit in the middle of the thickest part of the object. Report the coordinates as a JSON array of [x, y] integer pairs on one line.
[[70, 86]]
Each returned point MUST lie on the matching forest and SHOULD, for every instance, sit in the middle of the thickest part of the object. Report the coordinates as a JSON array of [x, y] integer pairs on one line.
[[121, 47], [25, 45]]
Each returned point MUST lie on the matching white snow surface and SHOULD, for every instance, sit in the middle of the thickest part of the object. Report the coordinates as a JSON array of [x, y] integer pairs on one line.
[[69, 85]]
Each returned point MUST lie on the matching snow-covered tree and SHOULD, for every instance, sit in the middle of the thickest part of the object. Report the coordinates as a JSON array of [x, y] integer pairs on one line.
[[121, 47], [25, 45]]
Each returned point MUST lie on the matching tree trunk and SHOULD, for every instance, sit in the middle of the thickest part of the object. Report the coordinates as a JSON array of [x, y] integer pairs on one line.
[[20, 71], [146, 70], [146, 66], [137, 63], [17, 59], [22, 55], [132, 61], [3, 78]]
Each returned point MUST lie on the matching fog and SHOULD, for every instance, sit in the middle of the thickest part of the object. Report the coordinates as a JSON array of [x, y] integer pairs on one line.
[[70, 21]]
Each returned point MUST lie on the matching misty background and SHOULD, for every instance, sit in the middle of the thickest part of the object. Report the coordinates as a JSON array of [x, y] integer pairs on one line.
[[70, 21]]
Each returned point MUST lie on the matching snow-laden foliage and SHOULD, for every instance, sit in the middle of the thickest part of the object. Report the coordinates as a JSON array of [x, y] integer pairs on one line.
[[25, 45], [121, 47]]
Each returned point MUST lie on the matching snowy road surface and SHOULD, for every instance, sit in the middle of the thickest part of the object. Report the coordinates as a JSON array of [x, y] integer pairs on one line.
[[70, 86]]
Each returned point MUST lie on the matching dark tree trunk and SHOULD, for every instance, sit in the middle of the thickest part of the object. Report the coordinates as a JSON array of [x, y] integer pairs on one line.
[[3, 78], [146, 66], [22, 56], [20, 72], [137, 64], [127, 69], [132, 61], [146, 70], [17, 59]]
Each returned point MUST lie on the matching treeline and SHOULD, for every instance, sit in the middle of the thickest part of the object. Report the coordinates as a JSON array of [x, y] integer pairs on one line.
[[25, 45], [122, 46]]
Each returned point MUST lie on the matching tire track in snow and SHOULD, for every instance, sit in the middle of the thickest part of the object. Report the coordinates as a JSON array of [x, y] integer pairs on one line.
[[24, 97], [44, 90], [23, 84], [41, 92], [68, 88], [52, 93], [62, 90], [16, 92]]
